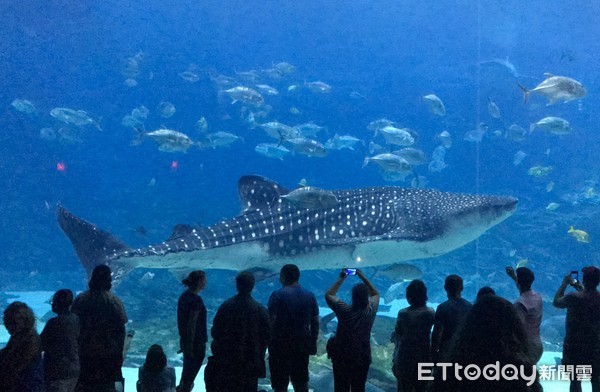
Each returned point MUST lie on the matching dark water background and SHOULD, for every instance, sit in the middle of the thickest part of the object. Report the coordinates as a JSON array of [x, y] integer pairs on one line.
[[72, 54]]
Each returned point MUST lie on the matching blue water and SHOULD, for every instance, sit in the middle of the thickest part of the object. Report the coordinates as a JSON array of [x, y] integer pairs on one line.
[[73, 54]]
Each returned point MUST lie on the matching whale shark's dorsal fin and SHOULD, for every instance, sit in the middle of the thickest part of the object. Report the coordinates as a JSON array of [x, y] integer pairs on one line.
[[258, 192]]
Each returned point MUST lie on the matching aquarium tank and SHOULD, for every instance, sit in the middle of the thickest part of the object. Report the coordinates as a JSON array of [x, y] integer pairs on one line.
[[409, 139]]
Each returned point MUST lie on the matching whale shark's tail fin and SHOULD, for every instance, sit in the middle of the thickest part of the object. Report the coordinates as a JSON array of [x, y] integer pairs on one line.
[[94, 246]]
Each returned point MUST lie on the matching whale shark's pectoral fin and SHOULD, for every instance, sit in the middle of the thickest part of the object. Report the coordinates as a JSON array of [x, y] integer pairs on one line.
[[94, 246], [258, 192]]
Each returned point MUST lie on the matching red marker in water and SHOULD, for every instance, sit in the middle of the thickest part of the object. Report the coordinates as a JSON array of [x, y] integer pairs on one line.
[[174, 166], [60, 166]]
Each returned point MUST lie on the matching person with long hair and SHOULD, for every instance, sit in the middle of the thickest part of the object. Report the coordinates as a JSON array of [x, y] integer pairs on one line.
[[491, 334], [191, 323], [21, 366], [351, 352], [155, 375]]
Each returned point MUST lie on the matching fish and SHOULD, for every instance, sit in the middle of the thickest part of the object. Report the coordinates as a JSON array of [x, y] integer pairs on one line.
[[266, 89], [521, 263], [493, 109], [445, 138], [401, 271], [380, 124], [435, 104], [311, 197], [518, 157], [515, 133], [556, 89], [579, 235], [395, 291], [476, 135], [272, 150], [389, 163], [170, 141], [396, 136], [218, 139], [338, 142], [554, 125], [309, 129], [413, 156], [374, 226], [79, 118], [318, 87], [540, 171], [24, 106], [189, 76], [552, 206], [166, 109], [245, 95], [309, 147], [280, 131]]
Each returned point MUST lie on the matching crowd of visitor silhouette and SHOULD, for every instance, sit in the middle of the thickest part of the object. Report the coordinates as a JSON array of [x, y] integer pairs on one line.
[[83, 347]]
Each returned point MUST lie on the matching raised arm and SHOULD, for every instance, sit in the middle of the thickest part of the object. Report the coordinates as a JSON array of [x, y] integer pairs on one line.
[[559, 297], [331, 293], [373, 293]]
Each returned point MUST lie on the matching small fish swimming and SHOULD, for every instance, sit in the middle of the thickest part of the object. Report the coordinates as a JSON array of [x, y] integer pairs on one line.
[[556, 89], [413, 156], [516, 133], [435, 104], [79, 118], [554, 125], [493, 109], [266, 89], [201, 125], [389, 163], [170, 141], [246, 95], [189, 76], [380, 124], [311, 197], [540, 171], [218, 139], [518, 157], [24, 106], [318, 87], [272, 150], [166, 109], [579, 235], [309, 147], [338, 142], [552, 206], [401, 271], [445, 138], [396, 136], [476, 135], [280, 131]]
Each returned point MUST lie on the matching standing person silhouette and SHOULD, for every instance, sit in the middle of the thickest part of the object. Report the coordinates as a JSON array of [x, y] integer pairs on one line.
[[352, 351], [529, 306], [102, 320], [191, 322], [294, 315], [582, 337]]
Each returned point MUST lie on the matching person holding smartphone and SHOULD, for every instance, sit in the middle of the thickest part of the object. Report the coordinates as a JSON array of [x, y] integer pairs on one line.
[[582, 337], [352, 351]]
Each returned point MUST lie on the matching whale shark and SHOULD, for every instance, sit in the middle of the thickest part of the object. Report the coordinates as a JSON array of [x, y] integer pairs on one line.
[[366, 227]]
